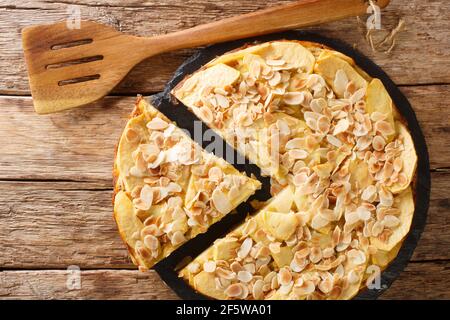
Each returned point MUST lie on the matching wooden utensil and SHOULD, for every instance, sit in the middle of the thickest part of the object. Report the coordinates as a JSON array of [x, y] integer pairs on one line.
[[72, 67]]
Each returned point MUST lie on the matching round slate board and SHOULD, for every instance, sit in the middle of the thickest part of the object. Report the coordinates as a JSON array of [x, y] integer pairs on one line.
[[185, 119]]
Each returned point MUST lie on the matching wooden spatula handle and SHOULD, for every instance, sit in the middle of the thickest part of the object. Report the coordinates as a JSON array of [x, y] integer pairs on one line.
[[279, 18]]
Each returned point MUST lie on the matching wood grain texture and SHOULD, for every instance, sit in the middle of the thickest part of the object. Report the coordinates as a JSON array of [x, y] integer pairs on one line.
[[54, 88], [95, 284], [426, 34], [79, 144], [422, 280], [127, 284], [54, 225], [55, 171]]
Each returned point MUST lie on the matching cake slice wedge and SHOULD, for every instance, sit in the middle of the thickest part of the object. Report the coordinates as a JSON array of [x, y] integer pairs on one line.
[[167, 189]]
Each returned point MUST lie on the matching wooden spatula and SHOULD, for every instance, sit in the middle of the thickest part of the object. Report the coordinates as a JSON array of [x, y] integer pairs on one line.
[[72, 67]]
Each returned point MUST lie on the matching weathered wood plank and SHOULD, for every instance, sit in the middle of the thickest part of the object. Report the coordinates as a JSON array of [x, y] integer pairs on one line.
[[426, 35], [417, 278], [95, 284], [54, 225], [423, 280], [79, 144]]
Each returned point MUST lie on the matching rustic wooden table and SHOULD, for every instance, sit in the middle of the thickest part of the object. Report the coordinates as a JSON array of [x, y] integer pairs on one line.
[[55, 170]]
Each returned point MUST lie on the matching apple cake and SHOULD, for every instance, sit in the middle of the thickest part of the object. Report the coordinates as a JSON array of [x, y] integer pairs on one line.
[[341, 160]]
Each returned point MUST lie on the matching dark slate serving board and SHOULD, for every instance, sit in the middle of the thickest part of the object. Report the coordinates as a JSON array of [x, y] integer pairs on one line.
[[185, 119]]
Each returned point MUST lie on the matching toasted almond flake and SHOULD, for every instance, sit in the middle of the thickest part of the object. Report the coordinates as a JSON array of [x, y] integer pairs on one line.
[[293, 98], [363, 142], [341, 126], [245, 292], [334, 141], [274, 247], [326, 285], [336, 235], [275, 80], [353, 277], [298, 264], [284, 276], [158, 161], [257, 290], [151, 229], [391, 221], [323, 124], [318, 222], [244, 276], [296, 143], [268, 277], [206, 114], [386, 197], [328, 252], [142, 251], [157, 124], [250, 267], [146, 195], [173, 187], [378, 143], [286, 289], [263, 252], [307, 287], [363, 213], [339, 271], [283, 127], [384, 127], [351, 217], [274, 283], [151, 242], [149, 152], [315, 82], [140, 205], [255, 69], [311, 123], [340, 82], [350, 89], [298, 154], [222, 101], [169, 131], [329, 214], [245, 248], [369, 193], [225, 274], [318, 105], [215, 174], [358, 257], [316, 255], [221, 201], [177, 238], [236, 267], [234, 290], [358, 95], [300, 178], [209, 266]]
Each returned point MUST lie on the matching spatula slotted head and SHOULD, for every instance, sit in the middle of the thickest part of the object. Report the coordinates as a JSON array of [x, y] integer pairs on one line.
[[72, 67]]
